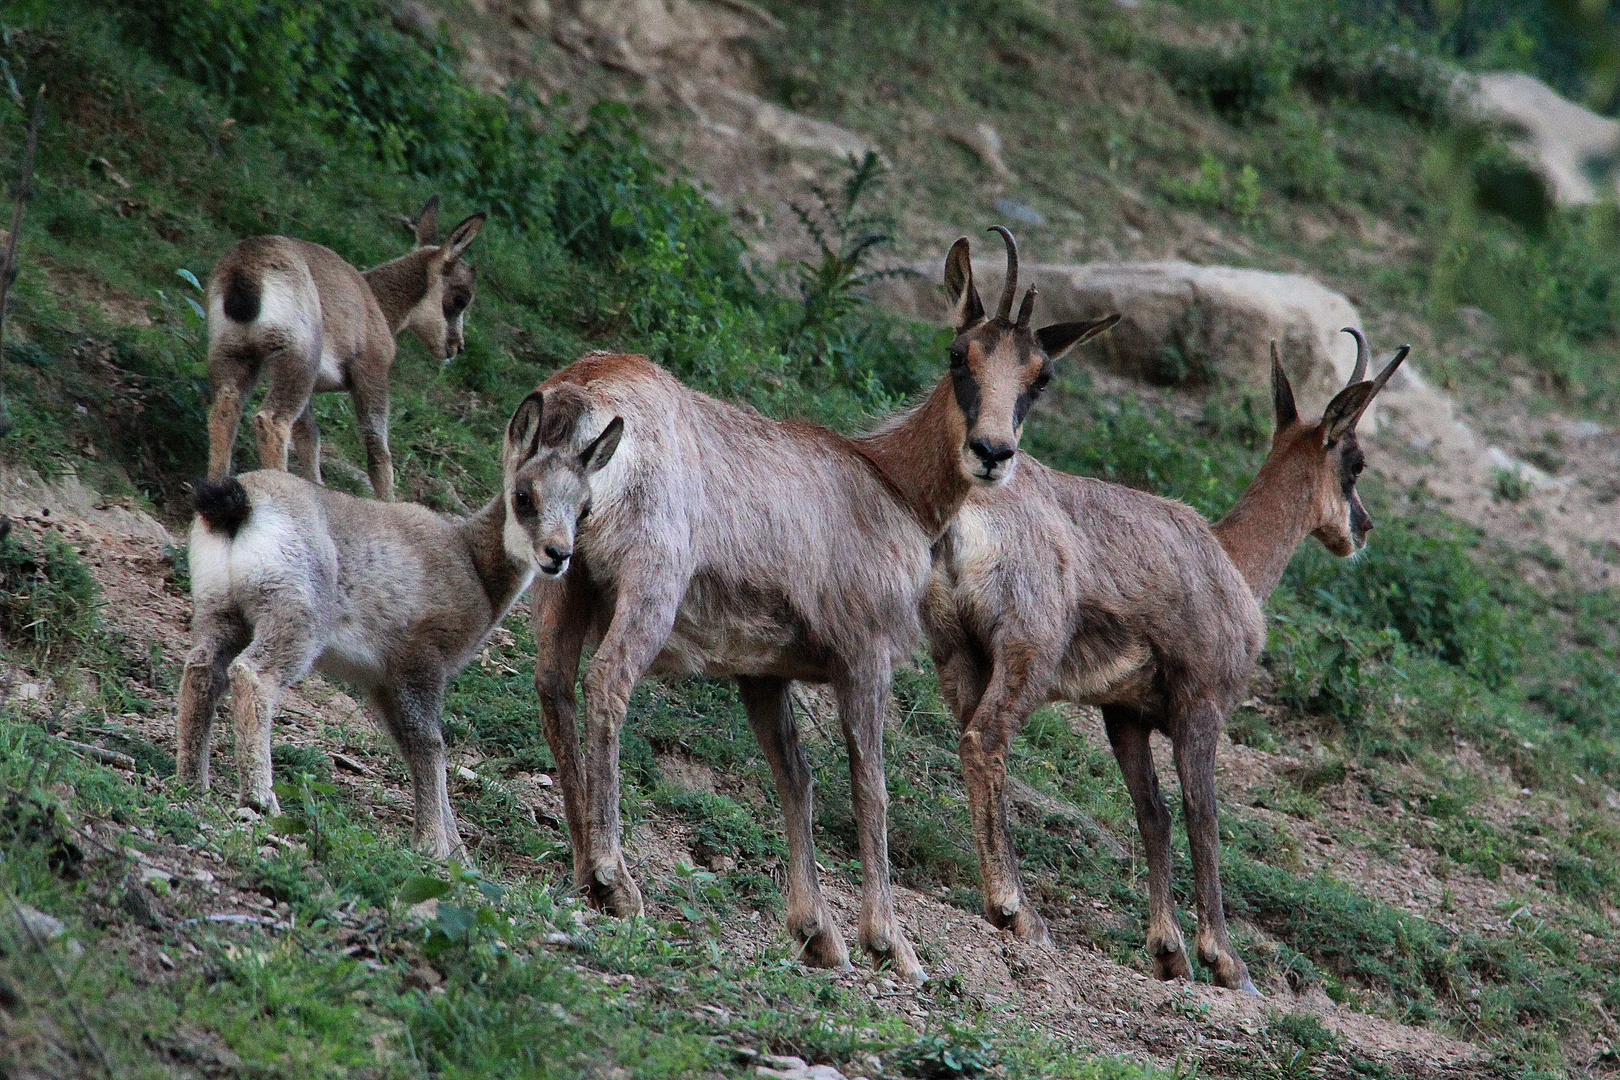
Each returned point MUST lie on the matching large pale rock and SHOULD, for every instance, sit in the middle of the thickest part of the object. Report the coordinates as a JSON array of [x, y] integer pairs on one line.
[[1179, 321], [733, 111], [652, 26], [1564, 141]]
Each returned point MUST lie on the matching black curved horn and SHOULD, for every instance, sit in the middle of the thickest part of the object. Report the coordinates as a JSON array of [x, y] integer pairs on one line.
[[1360, 371], [1010, 289], [1383, 376], [1026, 310]]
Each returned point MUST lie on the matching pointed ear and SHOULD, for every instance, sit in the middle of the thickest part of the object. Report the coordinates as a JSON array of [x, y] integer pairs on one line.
[[959, 287], [426, 225], [1059, 338], [460, 237], [1282, 395], [1344, 410], [523, 431], [600, 452]]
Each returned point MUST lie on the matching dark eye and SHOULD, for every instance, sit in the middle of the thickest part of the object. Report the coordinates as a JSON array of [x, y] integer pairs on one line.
[[958, 357], [524, 502], [585, 511], [1040, 382]]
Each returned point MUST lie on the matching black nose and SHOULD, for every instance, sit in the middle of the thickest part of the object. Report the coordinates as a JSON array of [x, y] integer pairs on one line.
[[558, 557], [990, 455]]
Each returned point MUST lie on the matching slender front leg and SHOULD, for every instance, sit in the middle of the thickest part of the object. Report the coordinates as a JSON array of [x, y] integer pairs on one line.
[[369, 377], [641, 622], [306, 437], [561, 616], [1128, 734], [862, 697], [809, 919], [1195, 762], [1001, 713], [411, 713]]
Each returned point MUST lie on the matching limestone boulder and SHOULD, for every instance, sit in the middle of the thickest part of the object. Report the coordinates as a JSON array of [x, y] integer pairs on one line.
[[1180, 323], [1567, 143]]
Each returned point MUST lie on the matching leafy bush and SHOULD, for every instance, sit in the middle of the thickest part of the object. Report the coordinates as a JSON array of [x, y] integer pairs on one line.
[[1428, 589], [346, 69]]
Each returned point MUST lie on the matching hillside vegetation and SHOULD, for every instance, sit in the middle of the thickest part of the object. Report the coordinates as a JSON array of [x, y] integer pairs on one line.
[[1419, 817]]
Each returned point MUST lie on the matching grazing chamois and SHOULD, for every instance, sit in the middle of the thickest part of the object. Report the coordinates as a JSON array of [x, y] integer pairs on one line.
[[287, 575], [720, 542], [1063, 588], [315, 323]]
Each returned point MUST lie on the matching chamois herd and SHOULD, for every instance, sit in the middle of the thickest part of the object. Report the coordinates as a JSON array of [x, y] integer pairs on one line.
[[665, 531]]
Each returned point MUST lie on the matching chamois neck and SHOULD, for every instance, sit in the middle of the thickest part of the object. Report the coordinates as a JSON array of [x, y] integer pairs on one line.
[[917, 452], [503, 577], [1268, 522], [400, 284]]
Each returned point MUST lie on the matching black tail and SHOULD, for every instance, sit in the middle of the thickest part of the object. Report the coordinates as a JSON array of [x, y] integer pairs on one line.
[[223, 504], [241, 297]]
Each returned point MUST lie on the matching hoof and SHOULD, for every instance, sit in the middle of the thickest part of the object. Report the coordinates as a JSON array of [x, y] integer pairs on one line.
[[612, 890], [1023, 922], [821, 945], [1172, 965]]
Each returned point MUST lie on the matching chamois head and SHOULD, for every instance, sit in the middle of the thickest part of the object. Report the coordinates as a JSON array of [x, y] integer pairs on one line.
[[998, 366], [548, 479], [451, 282], [1328, 450]]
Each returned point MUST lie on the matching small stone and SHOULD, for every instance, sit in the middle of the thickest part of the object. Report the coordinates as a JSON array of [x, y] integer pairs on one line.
[[784, 1061], [542, 779], [39, 923], [466, 773], [246, 813]]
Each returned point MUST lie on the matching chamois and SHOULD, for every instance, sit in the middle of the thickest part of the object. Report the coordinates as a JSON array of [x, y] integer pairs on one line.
[[1064, 588], [318, 324], [287, 575], [721, 542]]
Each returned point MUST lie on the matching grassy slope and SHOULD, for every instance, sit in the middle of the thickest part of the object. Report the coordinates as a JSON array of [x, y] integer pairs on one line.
[[1377, 669]]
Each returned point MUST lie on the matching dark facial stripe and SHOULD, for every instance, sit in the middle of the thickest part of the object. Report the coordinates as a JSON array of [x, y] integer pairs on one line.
[[1031, 392], [967, 393]]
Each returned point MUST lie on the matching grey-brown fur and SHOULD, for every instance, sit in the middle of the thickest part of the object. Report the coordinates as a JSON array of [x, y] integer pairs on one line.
[[1063, 588], [388, 596], [299, 313], [724, 543]]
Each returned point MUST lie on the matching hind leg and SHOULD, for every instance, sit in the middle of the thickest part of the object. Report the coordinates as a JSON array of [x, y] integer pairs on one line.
[[281, 653], [306, 438], [1195, 744], [809, 919], [292, 380], [1129, 733], [218, 641], [229, 381]]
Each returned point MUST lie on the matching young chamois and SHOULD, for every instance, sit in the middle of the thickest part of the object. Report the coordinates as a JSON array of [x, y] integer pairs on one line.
[[1063, 588], [287, 575], [720, 542], [315, 323]]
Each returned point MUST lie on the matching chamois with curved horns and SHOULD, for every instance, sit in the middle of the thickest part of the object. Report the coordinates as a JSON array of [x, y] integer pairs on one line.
[[721, 542], [1063, 588], [301, 313], [287, 576]]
